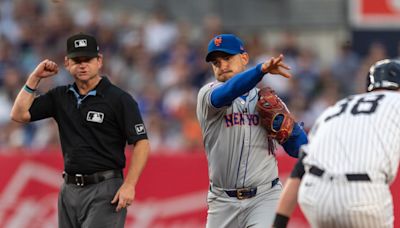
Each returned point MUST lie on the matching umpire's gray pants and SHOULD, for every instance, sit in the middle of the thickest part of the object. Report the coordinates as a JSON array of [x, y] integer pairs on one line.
[[90, 206]]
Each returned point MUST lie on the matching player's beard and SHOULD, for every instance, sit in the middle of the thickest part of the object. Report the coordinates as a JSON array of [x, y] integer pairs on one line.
[[225, 76]]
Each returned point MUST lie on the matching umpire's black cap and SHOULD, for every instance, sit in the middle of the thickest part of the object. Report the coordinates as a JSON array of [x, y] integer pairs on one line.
[[82, 45]]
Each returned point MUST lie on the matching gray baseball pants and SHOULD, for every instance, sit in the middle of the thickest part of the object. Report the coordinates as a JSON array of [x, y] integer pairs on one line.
[[231, 212], [90, 206]]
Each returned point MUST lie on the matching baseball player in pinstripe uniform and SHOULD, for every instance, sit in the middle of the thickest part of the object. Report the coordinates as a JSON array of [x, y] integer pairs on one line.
[[352, 157], [244, 183]]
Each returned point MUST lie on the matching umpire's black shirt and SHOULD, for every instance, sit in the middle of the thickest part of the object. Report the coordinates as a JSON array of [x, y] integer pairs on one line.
[[93, 128]]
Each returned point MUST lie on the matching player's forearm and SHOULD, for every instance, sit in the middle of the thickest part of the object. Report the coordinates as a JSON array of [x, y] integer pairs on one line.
[[24, 100], [236, 86], [138, 161], [288, 200], [287, 203]]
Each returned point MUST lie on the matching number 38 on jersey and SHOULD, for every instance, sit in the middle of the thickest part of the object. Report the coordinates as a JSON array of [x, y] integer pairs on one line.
[[366, 104]]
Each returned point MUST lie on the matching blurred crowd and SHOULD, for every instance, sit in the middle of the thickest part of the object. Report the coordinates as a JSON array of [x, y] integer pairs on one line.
[[160, 61]]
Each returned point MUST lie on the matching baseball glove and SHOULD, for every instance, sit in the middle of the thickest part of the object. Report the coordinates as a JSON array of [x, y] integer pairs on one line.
[[274, 115]]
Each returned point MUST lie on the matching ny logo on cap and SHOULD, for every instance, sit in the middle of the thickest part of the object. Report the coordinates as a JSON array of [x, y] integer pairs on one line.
[[80, 43], [218, 41]]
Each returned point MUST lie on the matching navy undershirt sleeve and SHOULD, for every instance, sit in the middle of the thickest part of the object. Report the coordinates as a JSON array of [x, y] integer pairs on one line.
[[298, 170], [236, 86], [295, 141]]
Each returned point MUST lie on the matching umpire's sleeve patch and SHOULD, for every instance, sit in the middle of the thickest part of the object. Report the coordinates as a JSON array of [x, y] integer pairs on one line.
[[140, 129]]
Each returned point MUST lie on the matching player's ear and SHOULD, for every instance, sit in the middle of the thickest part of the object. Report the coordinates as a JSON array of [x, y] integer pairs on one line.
[[245, 58]]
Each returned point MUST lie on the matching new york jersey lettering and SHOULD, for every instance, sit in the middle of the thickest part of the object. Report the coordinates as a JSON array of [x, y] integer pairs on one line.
[[240, 119]]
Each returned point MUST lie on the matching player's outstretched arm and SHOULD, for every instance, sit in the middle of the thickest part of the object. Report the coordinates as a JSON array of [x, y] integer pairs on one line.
[[24, 100], [245, 81], [275, 65], [236, 86]]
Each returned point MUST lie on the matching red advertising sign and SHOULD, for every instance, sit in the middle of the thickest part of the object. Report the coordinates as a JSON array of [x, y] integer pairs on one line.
[[171, 192], [373, 13]]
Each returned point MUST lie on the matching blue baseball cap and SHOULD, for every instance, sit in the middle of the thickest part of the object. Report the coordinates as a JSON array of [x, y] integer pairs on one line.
[[227, 43]]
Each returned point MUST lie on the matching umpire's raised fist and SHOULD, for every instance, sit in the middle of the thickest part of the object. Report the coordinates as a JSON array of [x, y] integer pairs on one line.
[[45, 69]]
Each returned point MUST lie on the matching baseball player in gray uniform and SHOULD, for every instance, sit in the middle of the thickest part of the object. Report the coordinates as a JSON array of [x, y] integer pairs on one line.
[[352, 157], [244, 183]]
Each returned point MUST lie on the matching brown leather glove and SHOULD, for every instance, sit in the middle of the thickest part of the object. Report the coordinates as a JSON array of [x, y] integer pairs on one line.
[[271, 108]]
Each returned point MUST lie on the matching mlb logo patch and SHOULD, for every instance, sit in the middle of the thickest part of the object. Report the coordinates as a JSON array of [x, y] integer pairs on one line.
[[140, 130], [80, 43], [96, 117]]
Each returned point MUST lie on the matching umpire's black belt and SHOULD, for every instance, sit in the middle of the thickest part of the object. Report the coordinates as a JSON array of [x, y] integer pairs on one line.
[[86, 179], [350, 176], [245, 193]]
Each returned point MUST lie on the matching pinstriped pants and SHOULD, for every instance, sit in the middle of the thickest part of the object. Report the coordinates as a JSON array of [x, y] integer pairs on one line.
[[341, 203]]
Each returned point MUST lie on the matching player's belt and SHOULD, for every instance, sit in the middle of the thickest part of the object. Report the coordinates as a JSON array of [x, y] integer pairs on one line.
[[350, 176], [245, 193], [86, 179]]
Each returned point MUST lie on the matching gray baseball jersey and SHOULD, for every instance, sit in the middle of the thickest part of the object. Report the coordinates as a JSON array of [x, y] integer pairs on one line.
[[237, 153], [359, 134], [235, 143]]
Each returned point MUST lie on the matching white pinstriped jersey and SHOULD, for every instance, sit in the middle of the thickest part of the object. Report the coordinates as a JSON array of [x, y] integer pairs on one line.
[[235, 143], [359, 134]]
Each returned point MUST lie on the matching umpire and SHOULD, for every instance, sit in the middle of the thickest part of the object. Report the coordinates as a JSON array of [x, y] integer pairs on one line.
[[95, 120]]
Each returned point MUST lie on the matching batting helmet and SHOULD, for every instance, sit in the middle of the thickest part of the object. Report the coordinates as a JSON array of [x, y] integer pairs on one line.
[[384, 74]]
